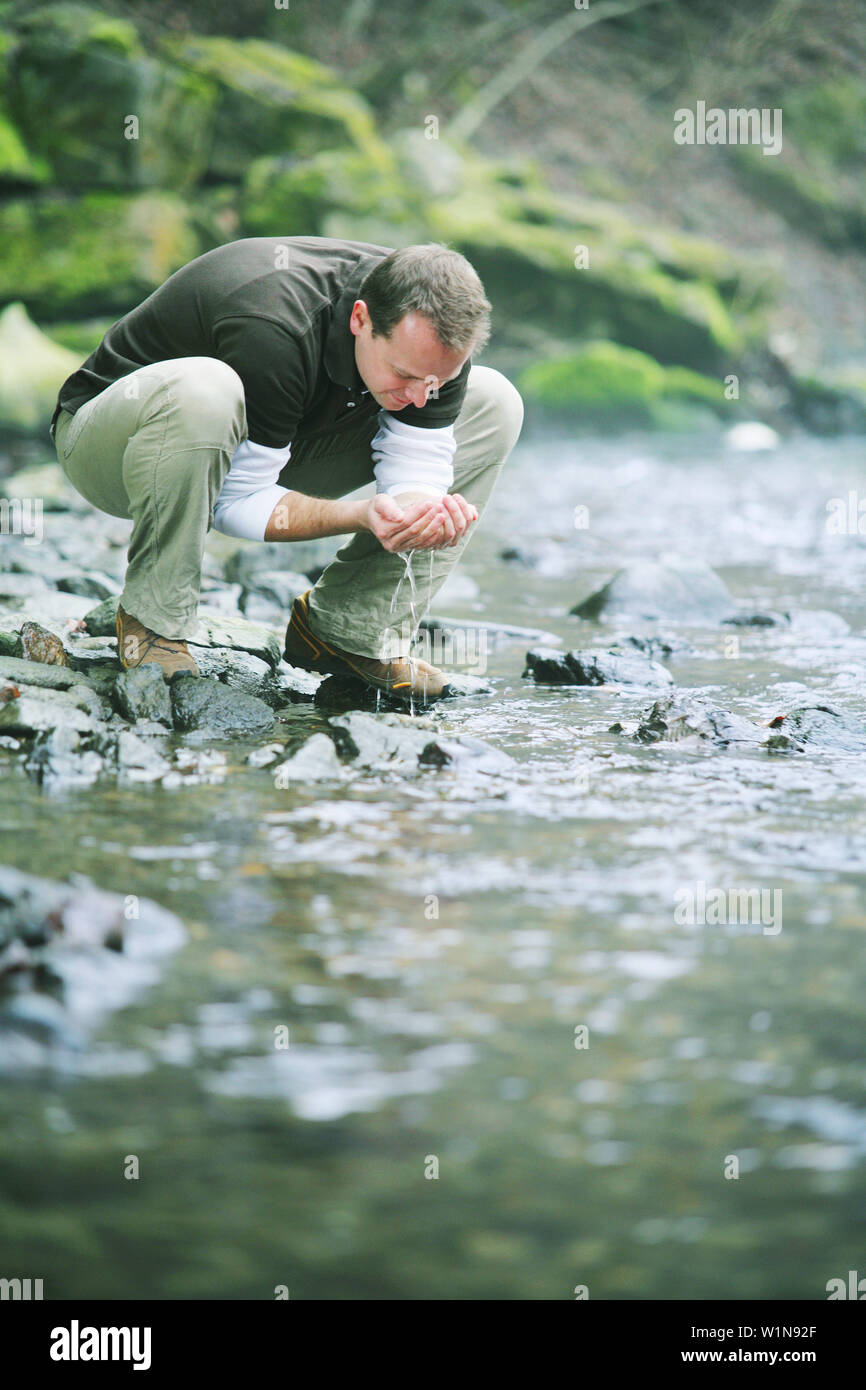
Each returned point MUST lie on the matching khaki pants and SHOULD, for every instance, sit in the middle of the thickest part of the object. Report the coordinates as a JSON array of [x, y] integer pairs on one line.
[[156, 445]]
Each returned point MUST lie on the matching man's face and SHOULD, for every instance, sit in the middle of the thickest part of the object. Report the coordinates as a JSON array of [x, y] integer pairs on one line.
[[403, 369]]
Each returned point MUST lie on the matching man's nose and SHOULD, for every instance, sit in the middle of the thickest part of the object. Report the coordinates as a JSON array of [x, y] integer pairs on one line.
[[417, 393]]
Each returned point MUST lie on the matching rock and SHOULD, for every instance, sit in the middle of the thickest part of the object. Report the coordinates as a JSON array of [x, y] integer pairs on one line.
[[278, 687], [677, 591], [300, 559], [70, 955], [679, 717], [351, 692], [315, 761], [142, 693], [39, 645], [817, 726], [465, 753], [263, 757], [32, 672], [57, 612], [209, 707], [58, 758], [93, 584], [399, 743], [43, 483], [751, 436], [469, 639], [101, 621], [757, 619], [280, 587], [39, 709], [223, 630], [138, 759], [594, 668], [392, 741], [219, 597], [660, 647], [21, 586]]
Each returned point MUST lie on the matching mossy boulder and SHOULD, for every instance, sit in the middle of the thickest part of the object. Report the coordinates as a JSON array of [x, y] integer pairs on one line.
[[270, 100], [102, 111], [32, 370], [95, 254], [302, 196], [603, 383]]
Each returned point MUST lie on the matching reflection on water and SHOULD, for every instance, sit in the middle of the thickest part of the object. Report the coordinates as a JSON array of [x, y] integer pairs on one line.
[[490, 972]]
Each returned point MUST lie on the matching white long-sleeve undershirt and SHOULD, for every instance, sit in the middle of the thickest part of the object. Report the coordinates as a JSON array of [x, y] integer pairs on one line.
[[407, 458]]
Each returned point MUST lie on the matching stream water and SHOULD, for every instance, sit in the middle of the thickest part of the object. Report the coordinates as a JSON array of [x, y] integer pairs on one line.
[[512, 1070]]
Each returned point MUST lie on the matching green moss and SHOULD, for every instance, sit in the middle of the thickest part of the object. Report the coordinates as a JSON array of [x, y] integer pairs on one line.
[[273, 101], [17, 165], [297, 196], [80, 336], [606, 383], [96, 254], [77, 81]]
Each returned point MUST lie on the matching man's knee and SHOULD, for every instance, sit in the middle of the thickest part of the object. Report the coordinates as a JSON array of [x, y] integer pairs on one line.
[[210, 393], [492, 396]]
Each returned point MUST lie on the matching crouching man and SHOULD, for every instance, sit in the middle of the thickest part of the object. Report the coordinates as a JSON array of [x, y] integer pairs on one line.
[[254, 390]]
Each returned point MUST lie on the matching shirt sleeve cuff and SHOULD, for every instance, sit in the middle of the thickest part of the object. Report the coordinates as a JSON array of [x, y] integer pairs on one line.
[[247, 517]]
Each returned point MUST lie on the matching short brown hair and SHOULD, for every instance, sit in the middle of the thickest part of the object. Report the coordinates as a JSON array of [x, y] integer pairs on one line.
[[434, 281]]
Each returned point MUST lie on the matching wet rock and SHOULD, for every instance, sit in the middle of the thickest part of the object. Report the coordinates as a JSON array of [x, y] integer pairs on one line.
[[461, 641], [401, 743], [820, 727], [101, 621], [768, 618], [40, 645], [315, 761], [223, 630], [307, 558], [51, 609], [277, 686], [138, 759], [350, 692], [211, 708], [142, 693], [390, 740], [594, 668], [465, 753], [70, 955], [279, 587], [677, 591], [263, 757], [89, 584], [36, 673], [20, 586], [751, 436], [196, 767], [38, 709], [660, 647], [58, 758], [222, 598], [818, 622], [679, 717]]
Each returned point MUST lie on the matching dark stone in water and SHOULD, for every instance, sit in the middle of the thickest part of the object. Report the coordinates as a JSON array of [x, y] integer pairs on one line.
[[758, 620], [141, 693], [683, 592], [209, 707], [817, 726], [550, 667], [660, 647], [679, 717]]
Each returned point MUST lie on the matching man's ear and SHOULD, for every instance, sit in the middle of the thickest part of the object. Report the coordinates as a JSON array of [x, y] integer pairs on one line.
[[359, 317]]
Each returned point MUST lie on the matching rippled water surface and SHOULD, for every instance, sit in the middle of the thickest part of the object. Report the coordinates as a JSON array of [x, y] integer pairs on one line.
[[432, 946]]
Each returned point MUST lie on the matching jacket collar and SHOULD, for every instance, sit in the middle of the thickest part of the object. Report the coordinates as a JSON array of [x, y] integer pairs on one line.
[[339, 353]]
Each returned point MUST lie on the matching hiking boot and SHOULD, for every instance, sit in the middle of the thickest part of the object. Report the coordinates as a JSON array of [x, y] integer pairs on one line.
[[137, 644], [403, 677]]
